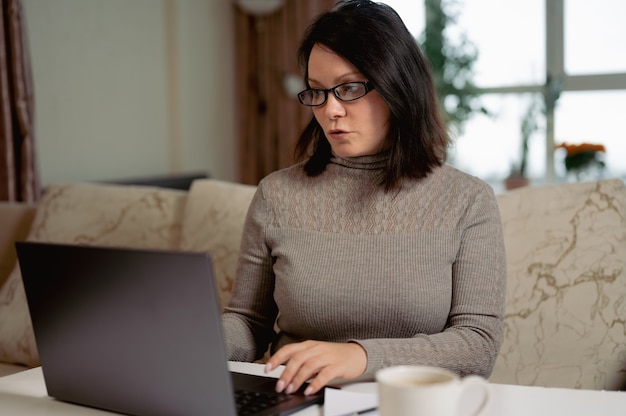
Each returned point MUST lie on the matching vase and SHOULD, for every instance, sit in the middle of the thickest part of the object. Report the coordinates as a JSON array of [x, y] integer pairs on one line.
[[513, 182]]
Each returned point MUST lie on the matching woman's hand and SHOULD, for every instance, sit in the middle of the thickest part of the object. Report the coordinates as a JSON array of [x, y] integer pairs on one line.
[[318, 362]]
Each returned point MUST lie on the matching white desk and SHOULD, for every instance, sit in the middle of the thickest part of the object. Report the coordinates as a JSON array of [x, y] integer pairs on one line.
[[25, 394]]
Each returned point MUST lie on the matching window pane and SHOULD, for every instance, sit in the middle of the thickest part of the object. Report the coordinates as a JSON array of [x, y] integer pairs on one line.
[[491, 146], [593, 117], [510, 36], [594, 36]]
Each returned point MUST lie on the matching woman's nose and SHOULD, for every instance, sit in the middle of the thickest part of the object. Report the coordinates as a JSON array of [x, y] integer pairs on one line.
[[334, 107]]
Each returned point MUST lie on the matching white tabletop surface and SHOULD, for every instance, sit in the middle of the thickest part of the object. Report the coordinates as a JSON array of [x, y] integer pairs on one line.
[[24, 393]]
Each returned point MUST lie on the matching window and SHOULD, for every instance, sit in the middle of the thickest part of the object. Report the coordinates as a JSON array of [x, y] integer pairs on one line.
[[594, 37], [576, 43]]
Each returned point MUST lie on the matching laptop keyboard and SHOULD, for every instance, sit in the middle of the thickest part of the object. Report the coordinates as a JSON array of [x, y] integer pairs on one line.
[[253, 402]]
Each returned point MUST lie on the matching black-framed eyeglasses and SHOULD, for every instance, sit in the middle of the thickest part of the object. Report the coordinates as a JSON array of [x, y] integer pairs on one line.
[[348, 91]]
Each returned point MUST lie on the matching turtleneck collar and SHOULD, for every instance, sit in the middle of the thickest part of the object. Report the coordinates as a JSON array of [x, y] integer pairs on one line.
[[371, 162]]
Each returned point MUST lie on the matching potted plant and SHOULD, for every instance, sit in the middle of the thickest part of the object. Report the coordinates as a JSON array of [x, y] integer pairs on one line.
[[517, 178]]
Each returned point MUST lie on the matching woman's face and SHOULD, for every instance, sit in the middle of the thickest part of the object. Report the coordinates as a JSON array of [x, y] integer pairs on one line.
[[353, 128]]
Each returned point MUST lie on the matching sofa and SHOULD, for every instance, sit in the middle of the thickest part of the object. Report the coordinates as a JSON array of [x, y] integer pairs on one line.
[[565, 318]]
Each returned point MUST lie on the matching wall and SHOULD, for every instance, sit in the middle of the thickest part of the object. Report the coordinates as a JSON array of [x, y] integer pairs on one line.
[[128, 89]]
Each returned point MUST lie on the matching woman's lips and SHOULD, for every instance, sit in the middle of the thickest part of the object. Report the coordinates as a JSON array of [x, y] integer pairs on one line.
[[337, 134]]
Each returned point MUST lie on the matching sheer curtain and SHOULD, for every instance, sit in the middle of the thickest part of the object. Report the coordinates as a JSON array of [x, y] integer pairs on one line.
[[270, 118], [19, 180]]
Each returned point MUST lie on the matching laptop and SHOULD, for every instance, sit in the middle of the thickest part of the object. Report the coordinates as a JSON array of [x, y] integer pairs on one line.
[[137, 332]]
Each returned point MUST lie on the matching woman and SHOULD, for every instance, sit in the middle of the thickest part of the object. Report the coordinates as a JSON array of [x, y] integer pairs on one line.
[[372, 251]]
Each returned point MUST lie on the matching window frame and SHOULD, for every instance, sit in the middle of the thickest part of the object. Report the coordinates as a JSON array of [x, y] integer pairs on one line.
[[557, 80]]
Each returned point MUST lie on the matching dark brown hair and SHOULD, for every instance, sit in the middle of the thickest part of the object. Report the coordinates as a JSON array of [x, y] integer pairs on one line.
[[373, 38]]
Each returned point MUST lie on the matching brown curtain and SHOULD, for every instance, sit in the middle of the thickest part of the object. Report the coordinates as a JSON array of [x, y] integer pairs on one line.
[[19, 179], [269, 119]]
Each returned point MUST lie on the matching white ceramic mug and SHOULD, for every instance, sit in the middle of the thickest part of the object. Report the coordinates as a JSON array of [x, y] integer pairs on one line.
[[429, 391]]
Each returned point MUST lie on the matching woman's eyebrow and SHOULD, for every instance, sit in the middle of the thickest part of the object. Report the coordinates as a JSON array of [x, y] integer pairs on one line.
[[340, 79]]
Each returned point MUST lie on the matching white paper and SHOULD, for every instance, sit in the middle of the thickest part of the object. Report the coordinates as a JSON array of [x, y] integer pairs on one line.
[[342, 402]]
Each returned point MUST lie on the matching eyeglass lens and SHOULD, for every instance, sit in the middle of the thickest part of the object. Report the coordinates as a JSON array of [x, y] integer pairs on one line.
[[348, 91]]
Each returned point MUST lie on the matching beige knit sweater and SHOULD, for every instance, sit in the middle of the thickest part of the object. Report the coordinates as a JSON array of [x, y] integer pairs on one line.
[[415, 277]]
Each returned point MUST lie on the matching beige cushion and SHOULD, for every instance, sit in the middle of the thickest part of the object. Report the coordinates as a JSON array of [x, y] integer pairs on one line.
[[15, 221], [17, 342], [214, 219], [88, 214], [566, 248], [8, 369], [110, 215]]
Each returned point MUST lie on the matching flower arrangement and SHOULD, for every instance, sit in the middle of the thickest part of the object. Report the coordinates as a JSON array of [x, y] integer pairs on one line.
[[582, 157]]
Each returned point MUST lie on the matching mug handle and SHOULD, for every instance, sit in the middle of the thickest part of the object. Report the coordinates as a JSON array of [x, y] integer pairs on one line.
[[477, 380]]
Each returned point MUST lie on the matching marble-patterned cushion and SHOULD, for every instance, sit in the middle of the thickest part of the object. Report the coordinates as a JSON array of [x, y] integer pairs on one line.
[[17, 341], [110, 215], [87, 214], [565, 322], [15, 222], [214, 219]]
